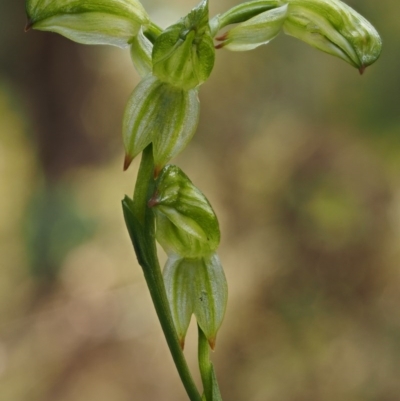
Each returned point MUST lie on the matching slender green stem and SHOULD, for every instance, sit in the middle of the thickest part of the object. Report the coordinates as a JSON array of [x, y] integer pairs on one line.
[[205, 364], [208, 377], [140, 223]]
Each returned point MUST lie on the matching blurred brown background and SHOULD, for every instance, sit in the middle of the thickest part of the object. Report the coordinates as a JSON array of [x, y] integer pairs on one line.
[[300, 157]]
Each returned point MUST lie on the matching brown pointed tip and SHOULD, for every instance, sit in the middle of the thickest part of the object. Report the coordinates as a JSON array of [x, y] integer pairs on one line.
[[127, 162], [153, 201], [219, 46], [212, 342], [222, 37], [182, 343], [157, 171], [362, 69], [29, 25]]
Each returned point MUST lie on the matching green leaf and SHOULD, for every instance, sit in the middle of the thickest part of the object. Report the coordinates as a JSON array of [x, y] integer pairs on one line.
[[186, 223], [113, 22], [196, 286], [254, 32], [183, 55], [216, 395], [160, 113], [135, 230], [335, 28]]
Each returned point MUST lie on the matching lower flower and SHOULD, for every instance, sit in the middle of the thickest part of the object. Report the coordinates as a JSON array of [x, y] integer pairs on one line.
[[196, 286]]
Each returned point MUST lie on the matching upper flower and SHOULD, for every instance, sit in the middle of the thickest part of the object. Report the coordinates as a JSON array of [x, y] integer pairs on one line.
[[329, 25], [183, 54]]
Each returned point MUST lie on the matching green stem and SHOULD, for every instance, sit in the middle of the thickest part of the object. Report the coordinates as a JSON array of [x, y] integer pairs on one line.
[[140, 223], [205, 364], [208, 378]]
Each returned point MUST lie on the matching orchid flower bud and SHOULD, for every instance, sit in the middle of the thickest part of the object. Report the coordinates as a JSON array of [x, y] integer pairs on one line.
[[161, 114], [183, 55], [254, 32], [196, 286], [186, 223], [335, 28], [112, 22]]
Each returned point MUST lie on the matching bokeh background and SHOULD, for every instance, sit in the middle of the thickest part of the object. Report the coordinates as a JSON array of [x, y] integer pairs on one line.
[[300, 157]]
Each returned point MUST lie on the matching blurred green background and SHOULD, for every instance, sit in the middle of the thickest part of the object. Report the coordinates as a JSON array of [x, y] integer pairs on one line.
[[300, 157]]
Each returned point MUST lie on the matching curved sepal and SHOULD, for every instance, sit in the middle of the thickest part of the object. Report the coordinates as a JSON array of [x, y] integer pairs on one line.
[[112, 22], [210, 296], [242, 12], [335, 28], [139, 122], [177, 280], [254, 32], [141, 49], [186, 223], [160, 113], [180, 110], [183, 55]]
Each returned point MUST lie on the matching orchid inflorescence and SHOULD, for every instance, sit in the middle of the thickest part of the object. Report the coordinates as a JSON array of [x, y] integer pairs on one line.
[[161, 118]]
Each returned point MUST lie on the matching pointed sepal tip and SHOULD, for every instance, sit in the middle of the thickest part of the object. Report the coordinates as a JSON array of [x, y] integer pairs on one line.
[[212, 342], [29, 25], [127, 161]]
